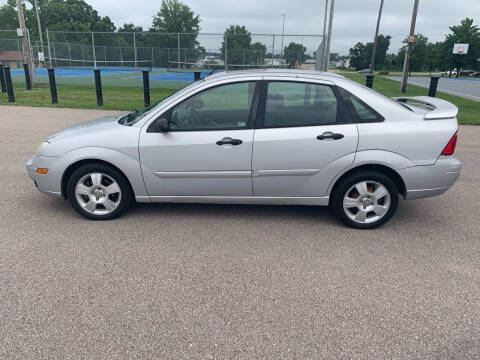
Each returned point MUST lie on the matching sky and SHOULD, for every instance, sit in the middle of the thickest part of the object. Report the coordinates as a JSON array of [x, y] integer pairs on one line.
[[354, 20]]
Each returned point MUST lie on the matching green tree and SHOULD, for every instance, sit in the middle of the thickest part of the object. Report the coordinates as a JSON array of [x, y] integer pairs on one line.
[[259, 51], [176, 17], [130, 28], [419, 56], [434, 56], [361, 54], [465, 33], [238, 44], [294, 53]]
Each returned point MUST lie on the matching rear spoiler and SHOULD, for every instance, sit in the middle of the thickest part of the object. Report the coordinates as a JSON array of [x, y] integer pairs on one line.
[[439, 109]]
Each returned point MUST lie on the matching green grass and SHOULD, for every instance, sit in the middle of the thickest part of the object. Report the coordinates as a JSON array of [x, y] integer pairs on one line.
[[84, 97], [468, 110]]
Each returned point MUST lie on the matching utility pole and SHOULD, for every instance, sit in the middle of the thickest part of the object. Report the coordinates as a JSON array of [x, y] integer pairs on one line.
[[324, 34], [39, 29], [26, 48], [375, 42], [329, 39], [408, 53], [283, 33]]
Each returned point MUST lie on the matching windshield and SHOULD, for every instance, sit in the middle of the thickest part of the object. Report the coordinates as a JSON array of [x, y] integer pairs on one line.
[[136, 115]]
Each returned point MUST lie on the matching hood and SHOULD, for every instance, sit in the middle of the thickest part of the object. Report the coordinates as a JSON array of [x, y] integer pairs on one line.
[[92, 126]]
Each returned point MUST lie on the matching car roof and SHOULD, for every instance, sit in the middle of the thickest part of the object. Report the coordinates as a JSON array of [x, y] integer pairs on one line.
[[320, 75]]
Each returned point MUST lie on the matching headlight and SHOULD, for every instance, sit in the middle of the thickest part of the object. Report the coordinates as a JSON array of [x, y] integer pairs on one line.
[[42, 145]]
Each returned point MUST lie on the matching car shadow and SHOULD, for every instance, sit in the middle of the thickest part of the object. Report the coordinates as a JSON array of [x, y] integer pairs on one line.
[[234, 211]]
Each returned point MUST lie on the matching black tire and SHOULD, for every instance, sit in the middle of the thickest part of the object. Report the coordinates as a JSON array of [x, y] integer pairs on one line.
[[118, 177], [351, 180]]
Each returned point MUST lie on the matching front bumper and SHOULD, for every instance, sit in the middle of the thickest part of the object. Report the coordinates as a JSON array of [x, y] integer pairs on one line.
[[431, 180], [49, 183]]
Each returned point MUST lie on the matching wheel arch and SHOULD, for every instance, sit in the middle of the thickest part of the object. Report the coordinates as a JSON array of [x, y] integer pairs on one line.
[[388, 171], [77, 164]]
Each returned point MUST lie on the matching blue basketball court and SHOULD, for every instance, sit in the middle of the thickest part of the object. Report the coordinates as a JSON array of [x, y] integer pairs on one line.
[[83, 72], [175, 76]]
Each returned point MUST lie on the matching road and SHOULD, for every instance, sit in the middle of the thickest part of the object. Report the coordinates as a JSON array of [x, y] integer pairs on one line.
[[232, 282], [468, 88]]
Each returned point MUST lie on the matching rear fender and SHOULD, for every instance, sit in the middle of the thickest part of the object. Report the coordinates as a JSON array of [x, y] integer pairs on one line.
[[388, 159]]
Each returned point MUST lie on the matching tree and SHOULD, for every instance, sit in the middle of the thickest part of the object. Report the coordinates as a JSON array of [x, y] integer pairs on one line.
[[465, 33], [176, 17], [238, 44], [294, 52], [434, 56], [259, 51], [361, 54], [130, 28], [419, 56]]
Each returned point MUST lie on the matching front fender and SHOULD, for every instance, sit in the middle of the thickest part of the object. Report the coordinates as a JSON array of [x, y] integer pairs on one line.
[[128, 165]]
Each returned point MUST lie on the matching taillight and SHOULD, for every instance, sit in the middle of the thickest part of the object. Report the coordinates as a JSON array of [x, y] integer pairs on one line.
[[450, 148]]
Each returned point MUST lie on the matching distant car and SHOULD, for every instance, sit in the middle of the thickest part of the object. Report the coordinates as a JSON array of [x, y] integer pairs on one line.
[[454, 72], [259, 137], [466, 72], [364, 71]]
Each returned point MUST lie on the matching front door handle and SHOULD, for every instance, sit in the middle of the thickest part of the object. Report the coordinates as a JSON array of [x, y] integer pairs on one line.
[[330, 135], [229, 141]]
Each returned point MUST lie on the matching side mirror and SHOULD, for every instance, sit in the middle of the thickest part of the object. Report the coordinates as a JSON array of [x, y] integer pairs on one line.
[[162, 125]]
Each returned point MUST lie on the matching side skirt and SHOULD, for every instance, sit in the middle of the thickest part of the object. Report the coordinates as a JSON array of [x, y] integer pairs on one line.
[[260, 200]]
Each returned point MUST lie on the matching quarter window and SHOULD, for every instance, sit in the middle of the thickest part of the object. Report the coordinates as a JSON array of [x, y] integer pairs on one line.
[[221, 107], [361, 110], [299, 104]]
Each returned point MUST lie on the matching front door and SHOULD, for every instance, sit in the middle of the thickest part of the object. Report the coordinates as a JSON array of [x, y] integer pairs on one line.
[[302, 140], [208, 149]]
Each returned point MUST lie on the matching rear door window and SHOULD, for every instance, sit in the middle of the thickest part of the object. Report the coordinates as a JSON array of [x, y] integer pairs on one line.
[[291, 104]]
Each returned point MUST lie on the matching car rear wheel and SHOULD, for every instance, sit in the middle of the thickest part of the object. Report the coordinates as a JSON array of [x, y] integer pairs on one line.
[[365, 200], [98, 192]]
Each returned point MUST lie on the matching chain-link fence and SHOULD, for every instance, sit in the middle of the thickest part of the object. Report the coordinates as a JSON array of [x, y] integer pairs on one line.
[[171, 59]]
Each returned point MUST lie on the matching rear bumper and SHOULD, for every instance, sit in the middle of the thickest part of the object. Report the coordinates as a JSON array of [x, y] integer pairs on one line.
[[431, 180]]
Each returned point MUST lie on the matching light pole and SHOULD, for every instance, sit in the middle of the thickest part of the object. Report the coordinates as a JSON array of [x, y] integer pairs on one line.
[[324, 35], [283, 33], [39, 28], [375, 42], [329, 39], [26, 48], [408, 53]]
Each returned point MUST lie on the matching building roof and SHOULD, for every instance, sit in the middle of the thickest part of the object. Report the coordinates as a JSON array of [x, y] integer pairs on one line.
[[13, 55]]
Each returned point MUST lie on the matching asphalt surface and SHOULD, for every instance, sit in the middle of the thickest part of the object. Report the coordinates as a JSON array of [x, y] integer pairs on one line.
[[232, 282], [468, 88]]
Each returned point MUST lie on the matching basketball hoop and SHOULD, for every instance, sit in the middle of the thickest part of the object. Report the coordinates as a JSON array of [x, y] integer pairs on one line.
[[460, 49]]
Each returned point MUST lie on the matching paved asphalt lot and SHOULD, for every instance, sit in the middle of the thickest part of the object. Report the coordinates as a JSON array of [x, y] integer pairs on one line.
[[468, 88], [232, 282]]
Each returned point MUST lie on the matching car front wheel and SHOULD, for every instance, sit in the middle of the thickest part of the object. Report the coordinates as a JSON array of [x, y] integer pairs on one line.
[[98, 191], [365, 200]]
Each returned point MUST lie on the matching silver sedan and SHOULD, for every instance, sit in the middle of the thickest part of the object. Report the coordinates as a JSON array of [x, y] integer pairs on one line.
[[258, 137]]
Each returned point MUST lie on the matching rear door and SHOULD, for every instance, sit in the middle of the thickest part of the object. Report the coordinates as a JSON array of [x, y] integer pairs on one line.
[[302, 141]]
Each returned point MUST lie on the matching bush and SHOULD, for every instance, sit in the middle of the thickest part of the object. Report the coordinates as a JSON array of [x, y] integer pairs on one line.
[[383, 72]]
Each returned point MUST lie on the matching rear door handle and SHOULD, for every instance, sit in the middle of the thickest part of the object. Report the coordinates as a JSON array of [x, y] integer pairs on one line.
[[229, 141], [330, 135]]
